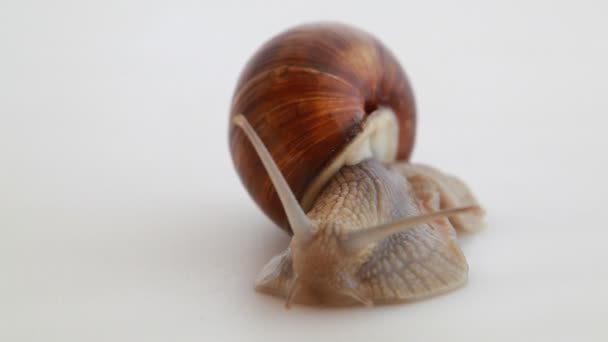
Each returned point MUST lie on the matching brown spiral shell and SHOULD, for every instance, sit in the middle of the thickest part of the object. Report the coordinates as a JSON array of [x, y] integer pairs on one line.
[[307, 92]]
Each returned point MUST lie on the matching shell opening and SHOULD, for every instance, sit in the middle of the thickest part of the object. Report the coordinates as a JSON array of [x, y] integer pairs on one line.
[[379, 139]]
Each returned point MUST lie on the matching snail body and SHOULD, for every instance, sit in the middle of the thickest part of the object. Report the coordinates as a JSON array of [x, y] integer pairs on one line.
[[323, 124]]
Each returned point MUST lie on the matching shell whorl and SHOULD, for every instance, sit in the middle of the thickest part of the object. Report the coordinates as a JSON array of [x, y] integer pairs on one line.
[[308, 93]]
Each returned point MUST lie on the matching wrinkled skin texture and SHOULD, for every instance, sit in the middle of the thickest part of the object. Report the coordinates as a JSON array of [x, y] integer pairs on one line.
[[416, 263]]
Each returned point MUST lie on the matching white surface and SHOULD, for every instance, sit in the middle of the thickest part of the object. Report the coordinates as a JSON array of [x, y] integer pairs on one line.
[[121, 218]]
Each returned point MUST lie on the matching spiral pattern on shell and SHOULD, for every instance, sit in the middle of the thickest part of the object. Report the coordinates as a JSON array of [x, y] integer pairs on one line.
[[308, 93]]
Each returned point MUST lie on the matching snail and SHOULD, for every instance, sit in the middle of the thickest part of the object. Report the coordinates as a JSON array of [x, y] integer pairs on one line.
[[322, 127]]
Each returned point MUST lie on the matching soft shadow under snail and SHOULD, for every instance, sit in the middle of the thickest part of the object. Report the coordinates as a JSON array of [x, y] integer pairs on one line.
[[322, 127]]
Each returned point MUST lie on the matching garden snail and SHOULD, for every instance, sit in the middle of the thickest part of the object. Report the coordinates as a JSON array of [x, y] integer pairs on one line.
[[322, 126]]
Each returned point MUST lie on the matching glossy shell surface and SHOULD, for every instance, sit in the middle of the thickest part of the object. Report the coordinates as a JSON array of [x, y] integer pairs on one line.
[[308, 92]]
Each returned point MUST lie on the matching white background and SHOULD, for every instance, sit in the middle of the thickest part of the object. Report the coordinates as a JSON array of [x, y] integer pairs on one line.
[[121, 218]]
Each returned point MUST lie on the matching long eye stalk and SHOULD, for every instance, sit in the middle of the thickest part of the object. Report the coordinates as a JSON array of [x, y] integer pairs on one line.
[[301, 225], [361, 238]]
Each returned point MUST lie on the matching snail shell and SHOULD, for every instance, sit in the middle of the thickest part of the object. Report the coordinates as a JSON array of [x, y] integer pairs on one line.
[[319, 96]]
